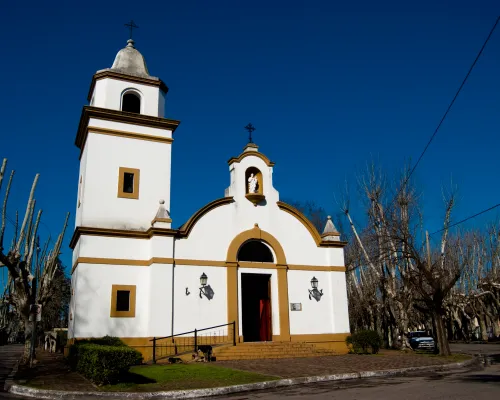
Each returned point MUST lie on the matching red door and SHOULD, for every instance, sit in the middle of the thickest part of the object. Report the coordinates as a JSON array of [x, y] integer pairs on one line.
[[265, 320]]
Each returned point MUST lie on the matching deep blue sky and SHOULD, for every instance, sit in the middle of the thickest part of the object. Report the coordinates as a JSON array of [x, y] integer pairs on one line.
[[329, 85]]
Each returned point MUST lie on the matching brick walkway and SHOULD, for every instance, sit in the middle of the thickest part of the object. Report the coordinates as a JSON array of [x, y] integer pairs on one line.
[[299, 367]]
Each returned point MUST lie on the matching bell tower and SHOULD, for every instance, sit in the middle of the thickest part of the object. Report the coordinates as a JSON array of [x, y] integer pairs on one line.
[[125, 147]]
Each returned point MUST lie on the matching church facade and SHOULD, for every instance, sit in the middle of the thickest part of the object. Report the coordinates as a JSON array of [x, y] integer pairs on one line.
[[246, 259]]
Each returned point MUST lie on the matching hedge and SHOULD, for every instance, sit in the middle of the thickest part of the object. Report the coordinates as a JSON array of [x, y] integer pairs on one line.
[[104, 341], [102, 364], [361, 341]]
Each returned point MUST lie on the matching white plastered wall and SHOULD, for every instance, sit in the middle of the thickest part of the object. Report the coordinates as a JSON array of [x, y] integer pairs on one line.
[[316, 317], [160, 300], [191, 311], [93, 301], [105, 155]]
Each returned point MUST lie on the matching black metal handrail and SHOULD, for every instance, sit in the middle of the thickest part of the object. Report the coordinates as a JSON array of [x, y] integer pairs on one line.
[[195, 332]]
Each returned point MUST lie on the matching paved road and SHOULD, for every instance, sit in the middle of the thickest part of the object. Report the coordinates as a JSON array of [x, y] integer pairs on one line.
[[8, 357], [477, 385], [475, 348]]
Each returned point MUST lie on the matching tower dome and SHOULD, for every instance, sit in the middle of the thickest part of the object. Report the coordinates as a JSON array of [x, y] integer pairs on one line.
[[130, 62]]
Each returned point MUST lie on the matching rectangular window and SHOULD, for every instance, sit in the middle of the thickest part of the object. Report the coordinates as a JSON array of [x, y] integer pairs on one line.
[[128, 183], [123, 301]]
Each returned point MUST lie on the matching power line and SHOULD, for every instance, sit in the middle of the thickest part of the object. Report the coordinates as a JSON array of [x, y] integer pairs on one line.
[[466, 219], [9, 219], [448, 109]]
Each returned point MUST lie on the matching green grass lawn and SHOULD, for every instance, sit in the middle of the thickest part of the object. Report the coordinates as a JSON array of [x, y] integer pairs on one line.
[[149, 378]]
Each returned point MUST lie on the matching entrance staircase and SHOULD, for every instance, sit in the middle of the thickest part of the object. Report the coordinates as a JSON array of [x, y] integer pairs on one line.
[[260, 350]]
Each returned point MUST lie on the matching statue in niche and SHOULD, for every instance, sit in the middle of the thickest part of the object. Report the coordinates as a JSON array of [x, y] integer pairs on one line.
[[252, 184]]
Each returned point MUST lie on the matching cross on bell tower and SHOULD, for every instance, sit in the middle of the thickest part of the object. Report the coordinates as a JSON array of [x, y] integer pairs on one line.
[[250, 128], [131, 25]]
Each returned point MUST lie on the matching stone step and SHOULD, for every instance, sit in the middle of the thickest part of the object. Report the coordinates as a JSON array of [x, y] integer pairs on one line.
[[269, 350], [227, 352]]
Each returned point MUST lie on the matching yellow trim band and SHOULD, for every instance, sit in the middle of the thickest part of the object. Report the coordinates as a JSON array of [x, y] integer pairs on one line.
[[201, 263], [128, 135]]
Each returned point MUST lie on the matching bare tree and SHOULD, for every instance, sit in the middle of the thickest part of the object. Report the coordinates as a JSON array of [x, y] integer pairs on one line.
[[397, 280], [31, 269]]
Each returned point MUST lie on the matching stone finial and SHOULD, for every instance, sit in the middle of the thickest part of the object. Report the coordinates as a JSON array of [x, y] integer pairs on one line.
[[162, 215], [162, 211], [130, 43], [330, 232]]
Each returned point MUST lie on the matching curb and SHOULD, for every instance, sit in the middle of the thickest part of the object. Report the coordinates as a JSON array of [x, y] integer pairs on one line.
[[194, 393], [9, 381]]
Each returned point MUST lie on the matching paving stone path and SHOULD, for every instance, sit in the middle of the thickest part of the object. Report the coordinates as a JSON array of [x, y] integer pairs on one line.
[[52, 372], [298, 367]]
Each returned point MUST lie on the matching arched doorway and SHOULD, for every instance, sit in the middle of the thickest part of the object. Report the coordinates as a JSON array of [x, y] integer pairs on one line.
[[256, 294], [278, 270]]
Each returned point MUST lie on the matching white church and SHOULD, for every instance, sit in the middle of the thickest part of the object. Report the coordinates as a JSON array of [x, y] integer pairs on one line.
[[245, 260]]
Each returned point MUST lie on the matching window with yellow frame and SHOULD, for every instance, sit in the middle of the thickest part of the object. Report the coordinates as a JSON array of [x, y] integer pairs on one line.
[[128, 183], [123, 301]]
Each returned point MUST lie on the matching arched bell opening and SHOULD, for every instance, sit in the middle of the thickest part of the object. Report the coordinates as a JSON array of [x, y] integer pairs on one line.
[[131, 102]]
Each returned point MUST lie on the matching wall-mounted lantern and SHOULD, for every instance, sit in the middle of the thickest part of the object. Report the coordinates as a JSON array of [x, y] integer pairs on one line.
[[315, 293], [203, 282]]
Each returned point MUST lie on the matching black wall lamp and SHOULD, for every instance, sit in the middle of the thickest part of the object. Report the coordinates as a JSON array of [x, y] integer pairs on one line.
[[203, 282], [315, 293]]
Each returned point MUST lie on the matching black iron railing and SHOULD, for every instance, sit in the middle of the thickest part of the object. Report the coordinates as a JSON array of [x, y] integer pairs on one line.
[[182, 343]]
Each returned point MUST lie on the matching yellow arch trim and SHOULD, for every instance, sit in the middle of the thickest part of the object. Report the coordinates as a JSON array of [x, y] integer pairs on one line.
[[186, 229], [268, 162], [255, 234], [303, 219]]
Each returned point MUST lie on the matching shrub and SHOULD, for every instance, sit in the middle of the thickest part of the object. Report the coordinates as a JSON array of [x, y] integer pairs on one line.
[[361, 341], [104, 341], [102, 364]]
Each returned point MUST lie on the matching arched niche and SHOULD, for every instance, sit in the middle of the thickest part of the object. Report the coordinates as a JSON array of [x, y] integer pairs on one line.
[[255, 251], [250, 173], [131, 101]]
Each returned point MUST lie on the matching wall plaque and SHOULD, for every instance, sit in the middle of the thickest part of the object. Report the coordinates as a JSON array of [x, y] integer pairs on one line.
[[296, 306]]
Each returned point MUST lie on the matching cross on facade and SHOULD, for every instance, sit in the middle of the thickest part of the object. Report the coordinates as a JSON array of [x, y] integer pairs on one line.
[[131, 26], [250, 128]]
